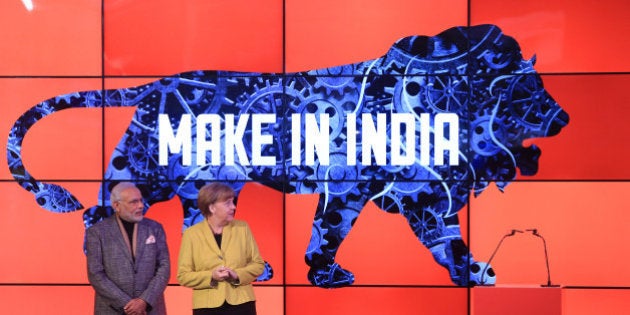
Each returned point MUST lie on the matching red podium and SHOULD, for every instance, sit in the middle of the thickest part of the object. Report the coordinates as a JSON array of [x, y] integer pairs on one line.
[[516, 300]]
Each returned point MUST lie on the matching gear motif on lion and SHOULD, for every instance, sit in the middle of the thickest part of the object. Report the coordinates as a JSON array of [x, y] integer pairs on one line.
[[475, 72]]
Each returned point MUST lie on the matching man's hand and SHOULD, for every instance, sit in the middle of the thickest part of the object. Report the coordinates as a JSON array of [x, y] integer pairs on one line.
[[136, 306]]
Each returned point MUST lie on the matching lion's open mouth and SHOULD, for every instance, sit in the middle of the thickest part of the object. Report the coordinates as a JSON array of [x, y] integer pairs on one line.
[[527, 159], [560, 120]]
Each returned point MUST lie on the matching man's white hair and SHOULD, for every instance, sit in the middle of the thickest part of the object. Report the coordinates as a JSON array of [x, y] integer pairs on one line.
[[120, 187]]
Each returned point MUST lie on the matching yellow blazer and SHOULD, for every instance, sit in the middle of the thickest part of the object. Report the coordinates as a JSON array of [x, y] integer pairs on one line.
[[199, 254]]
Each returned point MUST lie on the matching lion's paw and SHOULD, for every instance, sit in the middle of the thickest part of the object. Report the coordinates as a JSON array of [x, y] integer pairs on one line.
[[331, 276], [481, 273]]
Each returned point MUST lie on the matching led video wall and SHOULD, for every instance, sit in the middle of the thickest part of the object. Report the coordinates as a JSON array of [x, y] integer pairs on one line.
[[383, 153]]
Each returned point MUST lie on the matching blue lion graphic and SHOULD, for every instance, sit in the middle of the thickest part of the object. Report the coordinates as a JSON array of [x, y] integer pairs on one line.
[[475, 74]]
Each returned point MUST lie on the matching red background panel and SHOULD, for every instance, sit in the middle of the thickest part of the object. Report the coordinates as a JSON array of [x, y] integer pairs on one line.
[[70, 141], [567, 36], [261, 207], [269, 300], [376, 300], [381, 248], [576, 201], [589, 302], [583, 223], [55, 250], [169, 37], [79, 300], [327, 33], [55, 38], [594, 145], [39, 246], [18, 95], [72, 300]]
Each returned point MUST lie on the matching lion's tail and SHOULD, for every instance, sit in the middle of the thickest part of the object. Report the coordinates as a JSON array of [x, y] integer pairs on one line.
[[49, 196]]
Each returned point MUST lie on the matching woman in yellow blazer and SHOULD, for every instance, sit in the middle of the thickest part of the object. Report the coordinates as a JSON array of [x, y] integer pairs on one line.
[[219, 257]]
